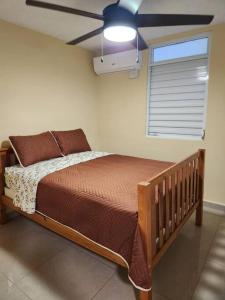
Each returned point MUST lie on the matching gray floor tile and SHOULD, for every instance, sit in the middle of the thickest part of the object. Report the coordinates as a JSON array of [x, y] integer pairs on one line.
[[212, 283], [16, 228], [8, 291], [24, 247], [99, 258], [70, 275], [88, 252], [205, 234], [119, 288], [45, 266], [178, 272], [217, 251]]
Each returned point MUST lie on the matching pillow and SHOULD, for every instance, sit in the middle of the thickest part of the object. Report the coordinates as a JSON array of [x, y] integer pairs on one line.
[[34, 148], [71, 141]]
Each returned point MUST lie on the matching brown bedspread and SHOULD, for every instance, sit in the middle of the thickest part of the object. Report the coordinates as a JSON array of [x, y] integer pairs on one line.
[[98, 198]]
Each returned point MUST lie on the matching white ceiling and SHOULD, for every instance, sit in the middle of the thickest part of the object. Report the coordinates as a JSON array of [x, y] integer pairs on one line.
[[67, 27]]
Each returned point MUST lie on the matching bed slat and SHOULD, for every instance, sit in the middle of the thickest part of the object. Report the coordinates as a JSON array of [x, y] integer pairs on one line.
[[183, 194], [167, 206], [173, 211], [188, 187], [161, 214], [178, 197]]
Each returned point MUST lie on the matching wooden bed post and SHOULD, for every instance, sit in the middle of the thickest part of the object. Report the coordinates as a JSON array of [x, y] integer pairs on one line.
[[201, 170], [145, 222], [3, 154]]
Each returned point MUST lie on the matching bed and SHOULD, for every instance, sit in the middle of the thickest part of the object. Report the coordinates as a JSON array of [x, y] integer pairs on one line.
[[103, 204]]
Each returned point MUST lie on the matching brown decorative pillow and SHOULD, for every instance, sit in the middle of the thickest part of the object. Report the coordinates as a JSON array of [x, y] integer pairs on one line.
[[71, 141], [34, 148]]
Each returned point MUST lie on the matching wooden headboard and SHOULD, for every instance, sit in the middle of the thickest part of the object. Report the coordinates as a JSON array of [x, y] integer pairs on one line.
[[7, 159]]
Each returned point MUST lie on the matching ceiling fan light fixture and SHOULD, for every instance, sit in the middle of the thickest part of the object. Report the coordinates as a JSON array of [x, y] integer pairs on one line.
[[120, 33], [122, 20]]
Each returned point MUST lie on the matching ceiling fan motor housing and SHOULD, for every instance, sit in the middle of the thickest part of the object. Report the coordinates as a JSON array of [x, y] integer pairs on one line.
[[115, 15]]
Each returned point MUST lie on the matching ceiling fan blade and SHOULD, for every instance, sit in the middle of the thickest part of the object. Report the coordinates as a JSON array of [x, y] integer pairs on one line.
[[86, 36], [142, 45], [131, 5], [152, 20], [64, 9]]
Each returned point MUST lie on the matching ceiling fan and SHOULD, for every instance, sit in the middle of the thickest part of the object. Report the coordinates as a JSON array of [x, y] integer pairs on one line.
[[122, 20]]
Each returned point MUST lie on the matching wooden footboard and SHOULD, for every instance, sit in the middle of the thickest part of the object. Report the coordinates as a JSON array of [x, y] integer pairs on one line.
[[165, 203]]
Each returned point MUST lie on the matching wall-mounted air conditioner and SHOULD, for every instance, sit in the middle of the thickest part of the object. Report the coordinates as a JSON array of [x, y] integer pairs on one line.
[[122, 61]]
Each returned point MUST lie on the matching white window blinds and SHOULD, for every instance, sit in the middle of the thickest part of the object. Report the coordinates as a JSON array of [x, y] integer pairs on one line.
[[177, 97]]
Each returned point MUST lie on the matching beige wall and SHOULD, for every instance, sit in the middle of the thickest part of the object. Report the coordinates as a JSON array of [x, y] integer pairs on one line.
[[44, 85], [122, 118]]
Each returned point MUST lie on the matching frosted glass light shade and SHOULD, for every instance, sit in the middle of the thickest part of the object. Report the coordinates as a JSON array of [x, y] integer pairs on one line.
[[120, 33]]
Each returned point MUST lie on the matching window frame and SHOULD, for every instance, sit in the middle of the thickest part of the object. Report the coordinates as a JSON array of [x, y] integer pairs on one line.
[[190, 58]]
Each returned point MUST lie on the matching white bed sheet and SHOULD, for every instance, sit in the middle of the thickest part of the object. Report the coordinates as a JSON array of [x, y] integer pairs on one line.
[[9, 193]]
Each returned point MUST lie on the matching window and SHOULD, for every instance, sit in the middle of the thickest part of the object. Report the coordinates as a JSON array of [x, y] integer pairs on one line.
[[178, 78]]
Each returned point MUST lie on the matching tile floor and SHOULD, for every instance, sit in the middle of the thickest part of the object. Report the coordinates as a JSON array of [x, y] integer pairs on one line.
[[36, 264]]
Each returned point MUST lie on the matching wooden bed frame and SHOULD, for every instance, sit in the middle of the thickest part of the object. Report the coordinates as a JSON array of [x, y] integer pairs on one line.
[[165, 203]]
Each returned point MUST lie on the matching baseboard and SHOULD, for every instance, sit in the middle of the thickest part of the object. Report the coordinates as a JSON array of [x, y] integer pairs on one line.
[[213, 207]]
